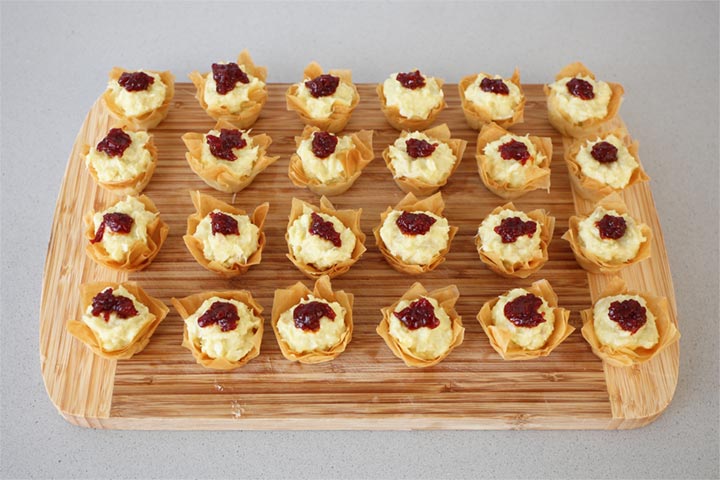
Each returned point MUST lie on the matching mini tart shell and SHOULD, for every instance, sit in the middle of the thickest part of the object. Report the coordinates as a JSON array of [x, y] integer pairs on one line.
[[476, 116], [399, 122], [495, 263], [340, 115], [204, 204], [537, 176], [287, 298], [78, 328], [141, 255], [434, 204], [589, 188], [147, 120], [626, 356], [188, 305], [354, 161], [349, 218], [563, 123], [219, 176], [446, 298], [500, 338], [589, 261], [417, 186], [257, 97]]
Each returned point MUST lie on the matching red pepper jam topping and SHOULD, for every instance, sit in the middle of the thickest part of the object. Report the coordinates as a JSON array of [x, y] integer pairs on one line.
[[115, 143], [512, 228], [414, 223], [323, 144], [135, 81], [224, 224], [523, 311], [611, 227], [580, 88], [411, 80], [323, 85], [222, 146], [106, 303], [494, 85], [307, 315], [225, 314], [604, 152], [226, 76], [514, 150], [418, 148], [629, 314], [117, 222], [419, 313], [324, 229]]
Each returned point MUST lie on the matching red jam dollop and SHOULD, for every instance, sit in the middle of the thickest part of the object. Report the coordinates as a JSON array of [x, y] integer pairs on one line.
[[135, 81], [223, 224], [523, 311], [307, 315], [324, 144], [222, 146], [117, 223], [323, 85], [224, 314], [494, 85], [629, 314], [512, 228], [414, 223], [611, 227], [323, 229], [581, 89], [411, 80], [115, 143], [419, 313], [105, 303], [604, 152], [226, 76], [418, 148], [514, 150]]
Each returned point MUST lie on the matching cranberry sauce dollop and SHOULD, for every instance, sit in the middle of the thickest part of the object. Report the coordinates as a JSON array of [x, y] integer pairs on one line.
[[135, 81], [418, 148], [226, 76], [323, 85], [629, 314], [105, 303], [117, 223], [514, 150], [494, 85], [604, 152], [224, 314], [581, 89], [224, 224], [411, 80], [611, 227], [115, 143], [512, 228], [414, 223], [419, 313], [324, 144], [307, 315], [523, 311], [324, 229], [222, 146]]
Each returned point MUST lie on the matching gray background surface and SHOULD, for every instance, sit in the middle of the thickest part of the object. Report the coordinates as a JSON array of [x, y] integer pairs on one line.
[[55, 58]]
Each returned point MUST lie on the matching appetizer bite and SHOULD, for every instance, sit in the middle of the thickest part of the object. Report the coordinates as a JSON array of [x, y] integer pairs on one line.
[[139, 99], [490, 98], [410, 100]]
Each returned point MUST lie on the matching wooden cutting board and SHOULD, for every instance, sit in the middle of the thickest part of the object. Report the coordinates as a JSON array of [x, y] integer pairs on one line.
[[366, 387]]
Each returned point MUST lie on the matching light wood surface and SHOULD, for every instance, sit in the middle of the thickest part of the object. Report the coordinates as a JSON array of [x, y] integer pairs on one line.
[[366, 387]]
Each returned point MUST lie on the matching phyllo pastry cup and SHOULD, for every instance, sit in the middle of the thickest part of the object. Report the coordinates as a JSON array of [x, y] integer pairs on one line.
[[339, 115], [353, 161], [500, 338], [627, 356], [146, 120], [537, 176], [400, 122], [446, 298], [204, 204], [220, 176], [477, 115], [287, 298], [434, 204], [187, 306], [79, 329]]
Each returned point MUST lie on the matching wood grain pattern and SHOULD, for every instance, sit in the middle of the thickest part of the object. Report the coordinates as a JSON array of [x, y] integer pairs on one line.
[[366, 387]]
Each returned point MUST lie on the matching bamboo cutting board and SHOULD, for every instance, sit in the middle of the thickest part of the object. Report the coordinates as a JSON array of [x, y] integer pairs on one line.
[[366, 387]]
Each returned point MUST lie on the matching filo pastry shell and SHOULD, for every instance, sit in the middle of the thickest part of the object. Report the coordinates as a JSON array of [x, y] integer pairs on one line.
[[495, 263], [204, 204], [147, 120], [446, 297], [250, 111], [287, 298], [399, 122], [141, 254], [434, 204], [189, 305], [537, 175], [590, 188], [219, 176], [590, 262], [562, 121], [626, 356], [500, 338], [349, 218], [78, 328], [340, 114], [417, 186], [353, 161], [476, 116]]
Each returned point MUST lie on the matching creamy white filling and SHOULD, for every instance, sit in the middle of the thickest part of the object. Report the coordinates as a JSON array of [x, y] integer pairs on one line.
[[322, 107], [529, 338], [233, 100], [134, 161], [609, 250], [246, 156], [415, 249], [500, 107], [311, 249], [228, 249], [141, 102], [327, 336], [522, 250], [616, 174], [432, 169], [325, 170], [117, 245], [413, 103], [117, 333], [510, 172], [578, 109], [611, 334], [426, 343]]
